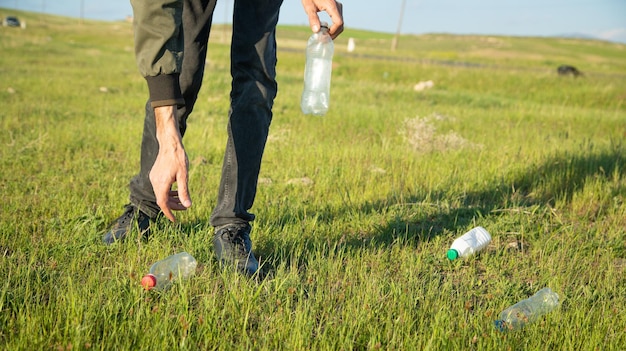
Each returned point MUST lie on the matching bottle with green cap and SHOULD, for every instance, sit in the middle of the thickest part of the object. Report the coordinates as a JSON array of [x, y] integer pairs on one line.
[[469, 243]]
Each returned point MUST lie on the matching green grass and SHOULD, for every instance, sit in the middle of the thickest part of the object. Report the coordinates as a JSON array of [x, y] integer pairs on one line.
[[355, 210]]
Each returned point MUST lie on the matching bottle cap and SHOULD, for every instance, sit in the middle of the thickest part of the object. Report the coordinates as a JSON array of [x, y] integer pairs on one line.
[[148, 281], [452, 254], [501, 325]]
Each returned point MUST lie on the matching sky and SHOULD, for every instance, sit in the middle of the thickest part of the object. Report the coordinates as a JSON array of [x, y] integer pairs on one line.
[[601, 19]]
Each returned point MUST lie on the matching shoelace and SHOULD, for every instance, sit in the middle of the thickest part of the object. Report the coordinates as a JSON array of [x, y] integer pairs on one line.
[[126, 216], [237, 237]]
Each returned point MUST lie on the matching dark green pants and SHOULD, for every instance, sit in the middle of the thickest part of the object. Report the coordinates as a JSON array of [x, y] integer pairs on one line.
[[253, 70]]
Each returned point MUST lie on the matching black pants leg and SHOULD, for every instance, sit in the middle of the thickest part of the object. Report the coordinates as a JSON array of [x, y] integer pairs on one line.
[[253, 69]]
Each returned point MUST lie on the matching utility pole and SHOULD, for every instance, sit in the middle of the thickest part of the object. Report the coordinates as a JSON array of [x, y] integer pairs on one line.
[[394, 42]]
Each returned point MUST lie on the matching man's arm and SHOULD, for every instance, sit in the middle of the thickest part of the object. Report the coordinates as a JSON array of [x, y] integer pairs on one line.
[[159, 48], [158, 52], [171, 164]]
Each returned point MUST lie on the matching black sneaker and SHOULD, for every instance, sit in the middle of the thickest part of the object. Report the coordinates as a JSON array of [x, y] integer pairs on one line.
[[125, 223], [233, 247]]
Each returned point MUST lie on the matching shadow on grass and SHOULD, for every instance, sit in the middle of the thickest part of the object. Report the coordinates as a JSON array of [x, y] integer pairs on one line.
[[559, 178]]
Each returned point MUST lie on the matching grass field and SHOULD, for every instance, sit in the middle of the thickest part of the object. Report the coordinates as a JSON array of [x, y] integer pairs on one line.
[[355, 210]]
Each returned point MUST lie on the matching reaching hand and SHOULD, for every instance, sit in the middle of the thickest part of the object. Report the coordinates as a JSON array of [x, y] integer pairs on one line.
[[170, 166], [332, 7]]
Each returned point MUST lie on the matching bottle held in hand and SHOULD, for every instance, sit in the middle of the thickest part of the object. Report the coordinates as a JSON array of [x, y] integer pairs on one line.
[[317, 73]]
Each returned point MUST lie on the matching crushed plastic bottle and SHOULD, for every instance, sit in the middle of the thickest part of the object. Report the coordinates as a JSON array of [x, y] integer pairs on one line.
[[526, 311], [164, 272], [469, 243], [317, 73]]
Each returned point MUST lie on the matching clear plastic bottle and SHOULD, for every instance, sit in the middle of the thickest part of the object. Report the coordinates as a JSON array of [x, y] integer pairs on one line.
[[528, 310], [469, 243], [317, 72], [164, 272]]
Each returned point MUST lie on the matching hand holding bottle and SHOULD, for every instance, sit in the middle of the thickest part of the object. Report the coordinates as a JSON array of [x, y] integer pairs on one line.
[[333, 8]]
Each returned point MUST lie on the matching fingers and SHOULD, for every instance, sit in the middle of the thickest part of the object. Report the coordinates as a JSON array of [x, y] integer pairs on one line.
[[336, 16], [183, 192], [311, 10], [165, 204], [333, 8], [161, 192], [168, 199], [172, 202]]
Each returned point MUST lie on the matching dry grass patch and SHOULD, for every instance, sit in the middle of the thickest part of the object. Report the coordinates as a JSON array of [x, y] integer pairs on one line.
[[421, 135]]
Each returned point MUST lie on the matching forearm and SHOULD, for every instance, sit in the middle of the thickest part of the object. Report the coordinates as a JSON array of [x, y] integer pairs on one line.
[[159, 48], [170, 165], [167, 131]]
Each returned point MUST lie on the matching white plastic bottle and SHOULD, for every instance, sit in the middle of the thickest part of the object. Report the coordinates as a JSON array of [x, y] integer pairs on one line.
[[528, 310], [317, 72], [469, 243], [164, 272]]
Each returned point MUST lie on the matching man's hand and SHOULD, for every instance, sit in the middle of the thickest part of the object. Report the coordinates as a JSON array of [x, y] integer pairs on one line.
[[332, 7], [171, 164]]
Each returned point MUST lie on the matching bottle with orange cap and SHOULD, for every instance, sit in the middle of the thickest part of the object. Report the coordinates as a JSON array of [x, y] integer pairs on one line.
[[164, 272]]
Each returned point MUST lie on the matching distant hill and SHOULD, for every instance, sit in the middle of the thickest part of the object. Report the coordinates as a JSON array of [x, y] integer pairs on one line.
[[578, 36]]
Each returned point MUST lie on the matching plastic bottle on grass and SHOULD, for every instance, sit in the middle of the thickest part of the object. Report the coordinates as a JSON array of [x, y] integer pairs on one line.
[[317, 72], [469, 243], [528, 310], [164, 272]]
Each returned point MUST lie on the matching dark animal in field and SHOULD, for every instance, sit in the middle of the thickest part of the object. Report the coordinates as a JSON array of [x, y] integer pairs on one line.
[[565, 70]]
